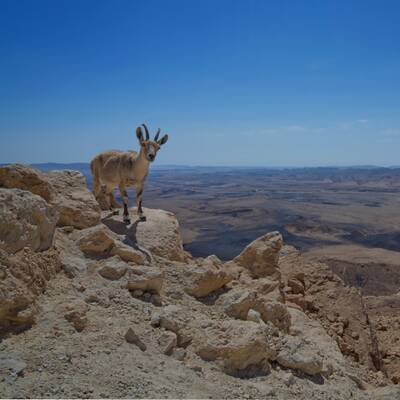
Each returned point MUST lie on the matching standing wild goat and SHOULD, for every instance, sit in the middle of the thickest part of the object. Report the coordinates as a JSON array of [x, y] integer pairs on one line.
[[115, 168]]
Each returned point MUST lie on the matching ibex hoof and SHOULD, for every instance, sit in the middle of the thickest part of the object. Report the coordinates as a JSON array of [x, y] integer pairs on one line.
[[115, 212], [127, 220], [142, 217]]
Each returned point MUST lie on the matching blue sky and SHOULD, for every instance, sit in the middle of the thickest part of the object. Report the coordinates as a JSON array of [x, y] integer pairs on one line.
[[282, 83]]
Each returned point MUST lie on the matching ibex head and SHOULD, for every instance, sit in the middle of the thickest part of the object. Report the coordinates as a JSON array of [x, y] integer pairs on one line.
[[150, 147]]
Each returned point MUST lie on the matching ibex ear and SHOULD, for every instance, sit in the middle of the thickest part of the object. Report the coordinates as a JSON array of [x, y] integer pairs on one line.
[[163, 140], [139, 134]]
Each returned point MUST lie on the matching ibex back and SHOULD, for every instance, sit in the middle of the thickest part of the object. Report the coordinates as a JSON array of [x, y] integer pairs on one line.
[[114, 168]]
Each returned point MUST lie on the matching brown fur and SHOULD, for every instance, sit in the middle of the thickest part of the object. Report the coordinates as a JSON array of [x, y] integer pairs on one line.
[[120, 169]]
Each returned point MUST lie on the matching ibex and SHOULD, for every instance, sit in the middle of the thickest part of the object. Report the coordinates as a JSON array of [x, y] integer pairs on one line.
[[114, 168]]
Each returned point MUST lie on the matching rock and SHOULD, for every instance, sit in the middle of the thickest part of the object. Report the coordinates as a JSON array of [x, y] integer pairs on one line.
[[261, 256], [241, 348], [266, 289], [147, 296], [333, 300], [128, 254], [276, 313], [310, 304], [297, 299], [288, 379], [254, 316], [296, 286], [73, 262], [155, 320], [148, 279], [26, 221], [237, 302], [96, 297], [67, 229], [113, 268], [137, 293], [385, 393], [179, 354], [174, 318], [158, 234], [167, 341], [76, 314], [355, 335], [100, 241], [296, 354], [76, 204], [298, 275], [156, 300], [95, 241], [203, 279], [23, 177], [11, 366], [316, 341], [25, 277], [331, 317], [133, 338]]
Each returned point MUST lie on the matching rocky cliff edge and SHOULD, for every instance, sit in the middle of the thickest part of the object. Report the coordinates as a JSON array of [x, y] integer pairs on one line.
[[91, 307]]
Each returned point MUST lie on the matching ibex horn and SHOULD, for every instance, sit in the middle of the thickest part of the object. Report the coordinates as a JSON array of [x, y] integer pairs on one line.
[[157, 135], [147, 132]]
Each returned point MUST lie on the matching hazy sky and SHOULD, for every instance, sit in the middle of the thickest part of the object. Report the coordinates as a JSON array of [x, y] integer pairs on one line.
[[233, 82]]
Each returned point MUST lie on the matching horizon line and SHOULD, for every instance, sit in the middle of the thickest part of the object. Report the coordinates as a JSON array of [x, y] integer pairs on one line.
[[370, 166]]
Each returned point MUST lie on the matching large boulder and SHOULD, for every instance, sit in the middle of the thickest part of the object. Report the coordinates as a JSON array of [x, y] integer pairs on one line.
[[296, 353], [26, 221], [261, 256], [23, 276], [175, 319], [237, 302], [67, 190], [112, 268], [338, 307], [312, 345], [241, 348], [276, 313], [147, 279], [95, 241], [206, 277], [100, 241], [76, 204], [20, 176], [158, 234]]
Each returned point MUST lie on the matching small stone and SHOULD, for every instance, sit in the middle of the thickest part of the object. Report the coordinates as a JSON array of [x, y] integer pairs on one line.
[[331, 317], [76, 315], [179, 354], [195, 367], [288, 379], [254, 316], [11, 365], [296, 285], [156, 300], [137, 293], [167, 341], [155, 320], [147, 296], [133, 338], [3, 274], [355, 335]]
